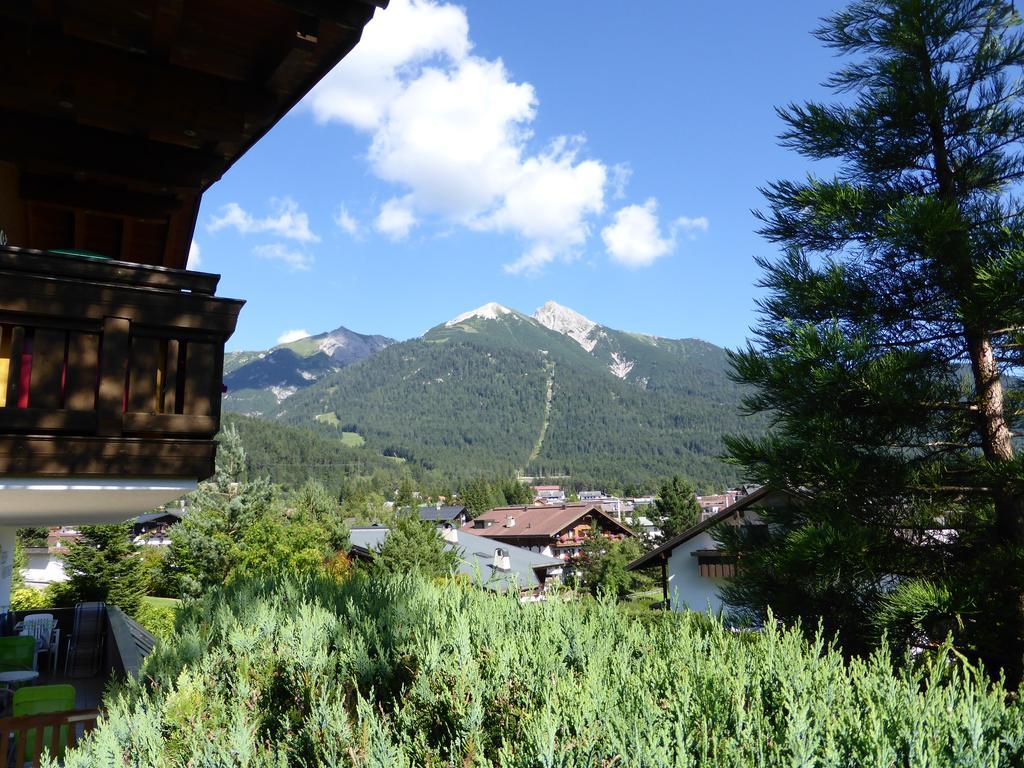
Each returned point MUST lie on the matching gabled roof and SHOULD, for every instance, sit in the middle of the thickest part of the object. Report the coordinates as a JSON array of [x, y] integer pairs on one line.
[[443, 514], [171, 515], [476, 559], [655, 555], [537, 520]]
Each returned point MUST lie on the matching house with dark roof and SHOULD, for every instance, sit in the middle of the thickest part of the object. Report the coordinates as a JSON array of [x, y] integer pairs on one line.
[[444, 514], [498, 567], [693, 566], [558, 530]]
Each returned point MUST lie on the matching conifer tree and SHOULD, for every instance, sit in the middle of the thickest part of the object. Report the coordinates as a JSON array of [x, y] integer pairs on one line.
[[677, 505], [890, 337], [414, 546], [105, 565]]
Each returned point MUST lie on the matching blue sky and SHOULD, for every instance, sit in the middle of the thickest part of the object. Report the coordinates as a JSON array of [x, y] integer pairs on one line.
[[601, 155]]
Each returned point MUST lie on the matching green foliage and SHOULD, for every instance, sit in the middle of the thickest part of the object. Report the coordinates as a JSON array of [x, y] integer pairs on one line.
[[29, 599], [677, 506], [289, 457], [238, 527], [156, 619], [890, 333], [481, 494], [603, 562], [404, 672], [104, 565], [414, 546], [33, 537]]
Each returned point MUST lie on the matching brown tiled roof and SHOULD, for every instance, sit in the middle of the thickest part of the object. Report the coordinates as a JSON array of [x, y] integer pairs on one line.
[[539, 520]]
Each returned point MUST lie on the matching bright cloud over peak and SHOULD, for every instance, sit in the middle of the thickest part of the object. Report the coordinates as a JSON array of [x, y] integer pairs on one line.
[[289, 336], [634, 238], [453, 131]]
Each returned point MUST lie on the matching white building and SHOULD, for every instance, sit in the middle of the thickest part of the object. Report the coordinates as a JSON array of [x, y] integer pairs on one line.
[[693, 567]]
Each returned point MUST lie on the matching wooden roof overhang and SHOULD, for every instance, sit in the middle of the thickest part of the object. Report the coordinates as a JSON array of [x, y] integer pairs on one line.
[[116, 115]]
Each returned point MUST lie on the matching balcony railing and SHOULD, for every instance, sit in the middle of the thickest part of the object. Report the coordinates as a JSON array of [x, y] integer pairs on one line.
[[108, 368]]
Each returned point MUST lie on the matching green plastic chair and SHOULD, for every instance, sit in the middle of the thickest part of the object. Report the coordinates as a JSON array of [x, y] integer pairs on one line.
[[41, 700], [17, 653]]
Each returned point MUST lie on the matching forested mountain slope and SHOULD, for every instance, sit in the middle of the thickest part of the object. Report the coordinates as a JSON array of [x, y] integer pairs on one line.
[[496, 391]]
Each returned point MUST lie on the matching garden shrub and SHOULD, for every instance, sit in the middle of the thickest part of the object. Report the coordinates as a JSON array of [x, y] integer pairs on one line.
[[408, 672]]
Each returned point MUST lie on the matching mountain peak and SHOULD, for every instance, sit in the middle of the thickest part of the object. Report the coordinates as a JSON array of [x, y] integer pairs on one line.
[[489, 311], [567, 322]]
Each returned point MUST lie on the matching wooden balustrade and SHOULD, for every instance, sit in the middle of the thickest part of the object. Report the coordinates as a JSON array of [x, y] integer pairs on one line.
[[108, 368], [53, 731]]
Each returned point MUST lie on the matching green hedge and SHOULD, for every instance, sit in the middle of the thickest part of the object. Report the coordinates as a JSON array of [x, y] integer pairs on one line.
[[405, 672]]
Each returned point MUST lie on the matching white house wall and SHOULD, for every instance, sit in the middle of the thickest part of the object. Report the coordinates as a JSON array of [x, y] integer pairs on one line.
[[687, 589]]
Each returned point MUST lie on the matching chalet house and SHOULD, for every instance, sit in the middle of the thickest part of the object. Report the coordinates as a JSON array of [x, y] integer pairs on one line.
[[548, 494], [154, 529], [444, 514], [559, 530], [693, 567], [498, 568]]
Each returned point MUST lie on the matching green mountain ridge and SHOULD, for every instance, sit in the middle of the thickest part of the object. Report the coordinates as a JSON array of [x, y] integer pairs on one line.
[[495, 391]]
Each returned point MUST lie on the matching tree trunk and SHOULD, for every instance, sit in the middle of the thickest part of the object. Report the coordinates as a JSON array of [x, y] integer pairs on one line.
[[1007, 546], [1006, 551]]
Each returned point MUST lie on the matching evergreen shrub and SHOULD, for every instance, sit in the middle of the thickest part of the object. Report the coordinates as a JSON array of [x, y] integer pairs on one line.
[[409, 672]]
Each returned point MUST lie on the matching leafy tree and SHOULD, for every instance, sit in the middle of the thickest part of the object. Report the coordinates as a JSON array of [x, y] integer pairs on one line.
[[677, 505], [412, 545], [602, 565], [105, 565], [33, 537], [893, 320]]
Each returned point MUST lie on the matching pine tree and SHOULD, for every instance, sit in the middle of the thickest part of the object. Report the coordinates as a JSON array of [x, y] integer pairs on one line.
[[677, 505], [893, 323], [411, 546], [105, 565]]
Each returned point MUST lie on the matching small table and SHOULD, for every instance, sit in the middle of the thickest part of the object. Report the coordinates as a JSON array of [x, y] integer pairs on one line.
[[18, 676], [14, 678]]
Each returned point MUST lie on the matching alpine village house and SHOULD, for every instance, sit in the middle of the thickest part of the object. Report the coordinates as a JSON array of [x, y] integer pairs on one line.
[[115, 118]]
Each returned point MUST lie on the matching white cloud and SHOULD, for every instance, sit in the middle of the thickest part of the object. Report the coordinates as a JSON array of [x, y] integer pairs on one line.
[[634, 237], [453, 130], [194, 260], [691, 226], [295, 260], [395, 218], [289, 336], [346, 221], [287, 220], [620, 176]]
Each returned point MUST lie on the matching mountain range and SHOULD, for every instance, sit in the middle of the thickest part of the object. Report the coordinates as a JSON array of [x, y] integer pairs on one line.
[[497, 391]]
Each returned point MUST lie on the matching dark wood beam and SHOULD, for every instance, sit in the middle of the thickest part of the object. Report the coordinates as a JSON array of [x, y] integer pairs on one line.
[[354, 14], [70, 192], [52, 73], [65, 147]]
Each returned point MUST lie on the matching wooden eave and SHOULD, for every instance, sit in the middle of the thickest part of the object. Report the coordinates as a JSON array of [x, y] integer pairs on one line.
[[117, 115]]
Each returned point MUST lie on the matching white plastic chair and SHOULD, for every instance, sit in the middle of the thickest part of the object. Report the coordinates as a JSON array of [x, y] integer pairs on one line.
[[43, 628]]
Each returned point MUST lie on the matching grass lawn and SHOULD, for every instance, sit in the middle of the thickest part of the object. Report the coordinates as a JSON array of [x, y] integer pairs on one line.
[[351, 439], [162, 602]]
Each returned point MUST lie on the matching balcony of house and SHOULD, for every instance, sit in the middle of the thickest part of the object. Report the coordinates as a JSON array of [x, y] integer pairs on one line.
[[110, 385], [56, 700]]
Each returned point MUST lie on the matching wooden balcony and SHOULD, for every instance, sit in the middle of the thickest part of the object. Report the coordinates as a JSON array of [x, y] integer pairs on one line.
[[108, 369]]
